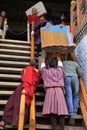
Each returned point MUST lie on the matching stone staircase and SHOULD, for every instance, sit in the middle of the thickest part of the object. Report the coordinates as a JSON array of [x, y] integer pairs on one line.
[[14, 56]]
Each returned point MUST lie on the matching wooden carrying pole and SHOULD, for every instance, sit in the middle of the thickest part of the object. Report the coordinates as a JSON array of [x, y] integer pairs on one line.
[[32, 107], [22, 111]]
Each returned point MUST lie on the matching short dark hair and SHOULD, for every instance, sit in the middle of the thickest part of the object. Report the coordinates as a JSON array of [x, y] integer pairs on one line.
[[52, 63], [33, 62], [44, 15]]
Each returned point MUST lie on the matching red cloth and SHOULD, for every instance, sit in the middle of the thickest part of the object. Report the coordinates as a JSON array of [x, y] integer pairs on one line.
[[34, 18], [30, 79]]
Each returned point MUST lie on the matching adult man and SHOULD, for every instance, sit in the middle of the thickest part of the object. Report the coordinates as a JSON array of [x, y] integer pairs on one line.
[[42, 22], [30, 79], [71, 74]]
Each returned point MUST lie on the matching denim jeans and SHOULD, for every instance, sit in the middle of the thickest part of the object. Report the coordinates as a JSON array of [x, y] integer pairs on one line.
[[71, 93]]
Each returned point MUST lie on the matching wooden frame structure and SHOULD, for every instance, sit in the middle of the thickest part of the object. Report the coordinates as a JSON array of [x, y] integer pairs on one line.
[[22, 103], [78, 15]]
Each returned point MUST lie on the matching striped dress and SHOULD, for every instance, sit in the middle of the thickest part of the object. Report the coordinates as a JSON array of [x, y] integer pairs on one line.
[[54, 102]]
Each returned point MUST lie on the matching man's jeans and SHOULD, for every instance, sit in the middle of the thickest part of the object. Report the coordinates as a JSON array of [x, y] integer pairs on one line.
[[71, 92]]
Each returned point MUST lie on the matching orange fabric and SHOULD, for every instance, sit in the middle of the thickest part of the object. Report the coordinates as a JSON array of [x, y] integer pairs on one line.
[[30, 79]]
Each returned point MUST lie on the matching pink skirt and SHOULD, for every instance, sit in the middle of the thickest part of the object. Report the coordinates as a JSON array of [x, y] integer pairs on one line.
[[54, 102]]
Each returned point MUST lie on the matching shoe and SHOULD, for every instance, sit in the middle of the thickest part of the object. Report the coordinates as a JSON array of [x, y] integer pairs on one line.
[[2, 124], [71, 121]]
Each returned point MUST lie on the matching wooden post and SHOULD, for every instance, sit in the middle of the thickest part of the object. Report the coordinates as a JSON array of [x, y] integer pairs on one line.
[[4, 29], [32, 43], [22, 111], [32, 107], [28, 31], [71, 16]]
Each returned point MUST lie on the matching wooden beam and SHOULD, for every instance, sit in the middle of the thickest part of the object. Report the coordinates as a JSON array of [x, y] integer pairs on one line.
[[22, 111]]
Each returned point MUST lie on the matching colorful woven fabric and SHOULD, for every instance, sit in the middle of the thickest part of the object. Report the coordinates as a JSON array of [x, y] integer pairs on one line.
[[56, 36]]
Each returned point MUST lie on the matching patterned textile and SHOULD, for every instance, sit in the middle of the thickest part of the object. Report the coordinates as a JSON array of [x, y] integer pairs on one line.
[[52, 77], [54, 102], [56, 36], [54, 99], [81, 57]]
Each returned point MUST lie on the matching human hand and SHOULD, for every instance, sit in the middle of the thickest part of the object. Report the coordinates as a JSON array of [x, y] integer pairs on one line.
[[44, 55], [32, 33]]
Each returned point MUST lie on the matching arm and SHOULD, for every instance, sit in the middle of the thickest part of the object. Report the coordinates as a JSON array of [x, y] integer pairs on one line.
[[59, 61], [79, 72], [36, 27], [43, 61]]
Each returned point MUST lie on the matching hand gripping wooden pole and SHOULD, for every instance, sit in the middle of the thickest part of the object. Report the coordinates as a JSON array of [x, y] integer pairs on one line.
[[22, 111], [32, 107]]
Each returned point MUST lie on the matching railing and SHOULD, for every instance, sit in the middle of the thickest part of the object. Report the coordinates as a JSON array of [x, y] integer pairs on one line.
[[22, 102], [83, 101], [83, 97], [4, 28]]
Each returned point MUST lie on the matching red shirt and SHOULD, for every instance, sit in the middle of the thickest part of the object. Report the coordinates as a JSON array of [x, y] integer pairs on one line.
[[34, 18]]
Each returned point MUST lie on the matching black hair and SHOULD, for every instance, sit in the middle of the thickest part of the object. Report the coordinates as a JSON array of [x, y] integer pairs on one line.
[[44, 15], [33, 62], [52, 63]]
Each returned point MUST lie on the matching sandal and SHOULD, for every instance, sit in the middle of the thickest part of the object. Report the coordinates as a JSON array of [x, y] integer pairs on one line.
[[2, 124]]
